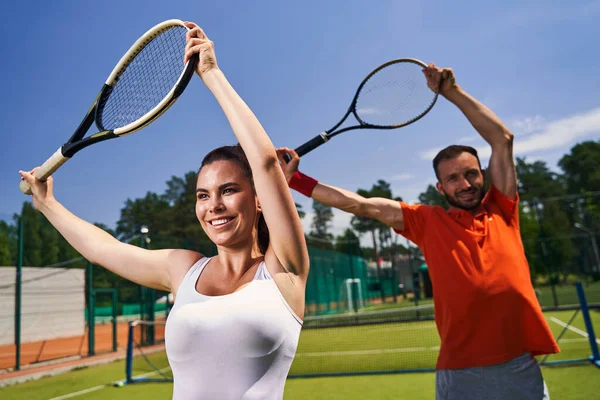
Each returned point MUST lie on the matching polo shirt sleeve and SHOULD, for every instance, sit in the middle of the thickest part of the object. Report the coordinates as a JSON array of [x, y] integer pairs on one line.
[[508, 207], [414, 220]]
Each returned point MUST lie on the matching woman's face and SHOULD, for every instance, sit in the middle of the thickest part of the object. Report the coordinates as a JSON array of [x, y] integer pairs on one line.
[[226, 204]]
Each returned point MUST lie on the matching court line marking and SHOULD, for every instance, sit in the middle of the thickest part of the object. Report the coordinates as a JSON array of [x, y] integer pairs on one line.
[[572, 328], [100, 387], [79, 393], [367, 352], [332, 353]]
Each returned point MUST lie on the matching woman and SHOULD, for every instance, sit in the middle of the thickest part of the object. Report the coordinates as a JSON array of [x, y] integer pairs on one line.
[[234, 327]]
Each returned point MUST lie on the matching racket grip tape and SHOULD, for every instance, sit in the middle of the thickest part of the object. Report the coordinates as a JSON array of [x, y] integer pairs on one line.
[[47, 169], [309, 146]]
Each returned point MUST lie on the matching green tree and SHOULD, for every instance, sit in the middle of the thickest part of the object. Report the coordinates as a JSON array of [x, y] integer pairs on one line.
[[8, 244], [49, 237], [581, 168], [151, 211], [380, 233], [301, 212], [348, 243], [32, 241], [180, 219], [536, 180], [530, 236], [433, 198], [560, 245], [368, 253], [5, 256], [321, 223], [539, 188]]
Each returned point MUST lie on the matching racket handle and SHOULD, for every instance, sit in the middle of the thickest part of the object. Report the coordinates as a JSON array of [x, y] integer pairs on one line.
[[308, 146], [47, 169]]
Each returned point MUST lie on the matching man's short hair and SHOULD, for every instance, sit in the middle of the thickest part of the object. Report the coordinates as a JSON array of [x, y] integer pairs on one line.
[[451, 152]]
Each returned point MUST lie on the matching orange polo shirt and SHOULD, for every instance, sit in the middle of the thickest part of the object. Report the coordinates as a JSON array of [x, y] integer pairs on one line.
[[486, 310]]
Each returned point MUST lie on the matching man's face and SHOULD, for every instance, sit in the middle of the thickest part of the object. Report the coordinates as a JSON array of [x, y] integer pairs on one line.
[[461, 181]]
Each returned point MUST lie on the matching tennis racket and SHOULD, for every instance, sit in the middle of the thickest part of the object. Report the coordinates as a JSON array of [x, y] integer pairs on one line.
[[143, 85], [393, 95]]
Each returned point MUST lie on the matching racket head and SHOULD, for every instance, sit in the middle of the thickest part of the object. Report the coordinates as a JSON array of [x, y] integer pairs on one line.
[[393, 95], [146, 81], [126, 104]]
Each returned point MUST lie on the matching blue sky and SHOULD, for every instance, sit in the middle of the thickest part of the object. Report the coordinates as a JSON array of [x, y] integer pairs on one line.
[[297, 64]]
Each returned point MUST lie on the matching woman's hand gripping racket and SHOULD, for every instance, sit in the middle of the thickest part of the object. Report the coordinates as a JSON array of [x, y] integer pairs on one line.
[[143, 85], [394, 95]]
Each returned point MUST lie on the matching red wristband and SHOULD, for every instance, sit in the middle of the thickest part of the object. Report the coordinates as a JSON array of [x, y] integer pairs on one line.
[[303, 183]]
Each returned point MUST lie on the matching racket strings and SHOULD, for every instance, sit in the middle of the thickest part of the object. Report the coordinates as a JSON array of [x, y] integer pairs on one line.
[[145, 81], [394, 95]]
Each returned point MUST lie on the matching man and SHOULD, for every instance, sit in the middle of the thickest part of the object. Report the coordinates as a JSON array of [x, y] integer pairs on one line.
[[487, 315]]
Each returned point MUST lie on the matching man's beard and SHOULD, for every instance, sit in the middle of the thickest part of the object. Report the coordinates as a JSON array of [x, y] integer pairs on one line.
[[478, 192]]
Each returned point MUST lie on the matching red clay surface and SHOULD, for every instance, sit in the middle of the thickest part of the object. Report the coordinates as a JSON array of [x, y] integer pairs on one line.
[[36, 352]]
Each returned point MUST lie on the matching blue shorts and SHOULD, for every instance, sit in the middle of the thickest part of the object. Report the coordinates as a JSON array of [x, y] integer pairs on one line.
[[517, 379]]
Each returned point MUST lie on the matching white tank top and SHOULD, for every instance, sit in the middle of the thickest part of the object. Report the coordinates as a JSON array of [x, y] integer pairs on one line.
[[236, 346]]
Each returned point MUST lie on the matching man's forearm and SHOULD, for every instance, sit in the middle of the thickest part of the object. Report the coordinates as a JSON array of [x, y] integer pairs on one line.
[[384, 210], [331, 196], [339, 198], [489, 126]]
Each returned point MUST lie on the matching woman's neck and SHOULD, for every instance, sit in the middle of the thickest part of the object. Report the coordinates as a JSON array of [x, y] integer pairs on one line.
[[235, 262]]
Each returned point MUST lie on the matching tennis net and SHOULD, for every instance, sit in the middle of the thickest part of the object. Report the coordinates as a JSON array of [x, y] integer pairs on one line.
[[401, 339], [146, 358]]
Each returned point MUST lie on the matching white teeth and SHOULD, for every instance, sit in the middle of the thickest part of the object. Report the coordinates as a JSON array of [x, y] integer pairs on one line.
[[219, 221]]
